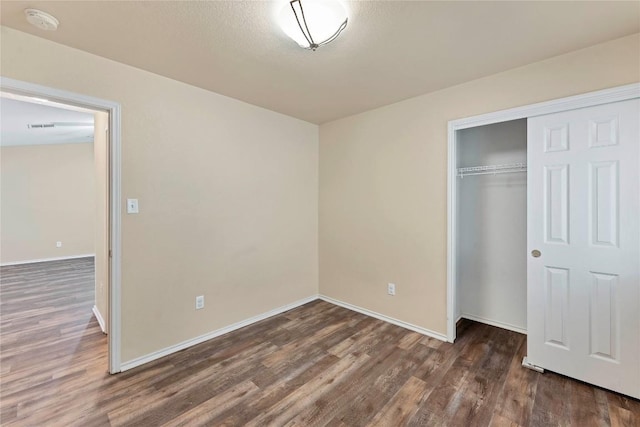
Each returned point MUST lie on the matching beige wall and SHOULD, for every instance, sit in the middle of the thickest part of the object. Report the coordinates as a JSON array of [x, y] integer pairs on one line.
[[229, 192], [383, 180], [101, 228], [228, 196], [47, 195]]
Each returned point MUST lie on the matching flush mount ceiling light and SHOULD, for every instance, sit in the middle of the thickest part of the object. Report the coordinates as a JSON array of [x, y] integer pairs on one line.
[[313, 24], [41, 19]]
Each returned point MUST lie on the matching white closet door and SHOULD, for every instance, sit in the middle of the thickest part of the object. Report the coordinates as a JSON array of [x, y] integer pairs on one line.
[[583, 273]]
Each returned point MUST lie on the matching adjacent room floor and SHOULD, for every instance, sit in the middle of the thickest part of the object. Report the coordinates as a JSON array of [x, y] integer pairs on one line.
[[318, 364]]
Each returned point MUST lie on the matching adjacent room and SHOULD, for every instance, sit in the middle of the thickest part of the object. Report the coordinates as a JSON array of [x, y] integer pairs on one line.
[[53, 213], [320, 212]]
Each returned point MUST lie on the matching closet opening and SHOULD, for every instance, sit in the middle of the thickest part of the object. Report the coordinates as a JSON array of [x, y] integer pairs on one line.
[[491, 225], [541, 253]]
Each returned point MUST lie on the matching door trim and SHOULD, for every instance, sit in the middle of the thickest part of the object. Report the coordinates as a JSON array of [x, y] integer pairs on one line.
[[113, 108], [615, 94]]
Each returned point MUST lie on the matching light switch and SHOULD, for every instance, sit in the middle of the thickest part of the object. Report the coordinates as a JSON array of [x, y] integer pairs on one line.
[[132, 206]]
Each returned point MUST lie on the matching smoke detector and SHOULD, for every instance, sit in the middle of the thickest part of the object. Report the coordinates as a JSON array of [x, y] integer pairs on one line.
[[41, 19]]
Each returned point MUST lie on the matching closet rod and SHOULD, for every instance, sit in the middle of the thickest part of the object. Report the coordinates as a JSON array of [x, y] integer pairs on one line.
[[492, 169]]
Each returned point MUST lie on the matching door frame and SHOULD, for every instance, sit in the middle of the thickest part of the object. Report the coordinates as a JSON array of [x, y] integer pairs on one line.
[[115, 204], [590, 99]]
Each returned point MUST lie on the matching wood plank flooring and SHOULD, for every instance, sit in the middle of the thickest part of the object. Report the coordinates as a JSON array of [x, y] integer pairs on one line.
[[318, 364]]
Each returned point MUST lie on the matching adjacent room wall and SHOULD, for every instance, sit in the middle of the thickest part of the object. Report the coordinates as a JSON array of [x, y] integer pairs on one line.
[[228, 196], [383, 180], [47, 195]]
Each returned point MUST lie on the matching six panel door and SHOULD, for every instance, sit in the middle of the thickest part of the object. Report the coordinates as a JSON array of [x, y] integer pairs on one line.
[[583, 298]]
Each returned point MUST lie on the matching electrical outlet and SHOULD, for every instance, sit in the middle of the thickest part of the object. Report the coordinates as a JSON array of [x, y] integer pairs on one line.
[[199, 302], [391, 288], [58, 244]]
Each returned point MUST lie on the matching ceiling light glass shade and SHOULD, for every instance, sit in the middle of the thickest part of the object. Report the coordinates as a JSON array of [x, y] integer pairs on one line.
[[313, 23]]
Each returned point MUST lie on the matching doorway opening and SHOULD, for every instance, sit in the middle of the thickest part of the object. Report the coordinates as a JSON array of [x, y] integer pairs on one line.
[[82, 118]]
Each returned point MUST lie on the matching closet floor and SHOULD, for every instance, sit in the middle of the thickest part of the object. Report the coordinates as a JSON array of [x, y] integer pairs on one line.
[[318, 364]]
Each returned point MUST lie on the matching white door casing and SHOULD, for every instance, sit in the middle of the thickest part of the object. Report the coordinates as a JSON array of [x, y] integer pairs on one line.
[[583, 299]]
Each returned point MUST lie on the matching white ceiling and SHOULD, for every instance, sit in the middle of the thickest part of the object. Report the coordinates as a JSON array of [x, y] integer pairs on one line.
[[71, 127], [390, 50]]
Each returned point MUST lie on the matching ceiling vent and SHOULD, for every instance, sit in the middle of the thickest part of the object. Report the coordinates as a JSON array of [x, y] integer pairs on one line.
[[41, 19], [60, 124], [40, 125]]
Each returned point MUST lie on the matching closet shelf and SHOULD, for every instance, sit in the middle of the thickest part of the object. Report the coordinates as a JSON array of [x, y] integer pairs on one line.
[[492, 169]]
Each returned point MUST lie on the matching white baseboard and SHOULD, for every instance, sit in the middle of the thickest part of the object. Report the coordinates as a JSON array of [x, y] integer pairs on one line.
[[101, 321], [418, 329], [213, 334], [495, 323], [32, 261]]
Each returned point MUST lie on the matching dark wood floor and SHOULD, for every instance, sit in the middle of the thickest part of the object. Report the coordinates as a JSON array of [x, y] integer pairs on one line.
[[318, 364]]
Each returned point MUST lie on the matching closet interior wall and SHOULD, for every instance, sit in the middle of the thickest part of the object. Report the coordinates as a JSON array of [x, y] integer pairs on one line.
[[492, 227]]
